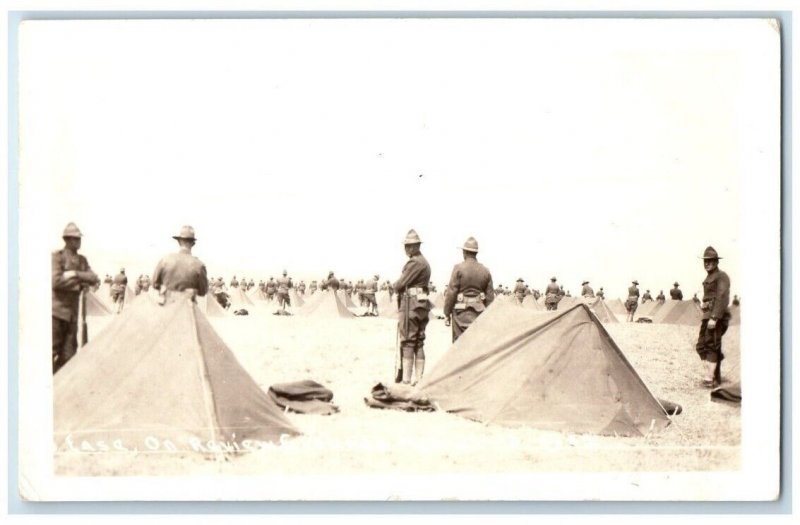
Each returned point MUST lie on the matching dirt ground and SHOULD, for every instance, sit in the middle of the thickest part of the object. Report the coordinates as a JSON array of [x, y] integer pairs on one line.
[[349, 356]]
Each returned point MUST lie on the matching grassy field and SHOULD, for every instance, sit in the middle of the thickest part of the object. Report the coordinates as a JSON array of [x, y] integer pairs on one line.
[[349, 356]]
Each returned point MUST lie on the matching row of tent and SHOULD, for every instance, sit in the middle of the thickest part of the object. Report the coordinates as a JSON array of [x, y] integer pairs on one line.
[[163, 373]]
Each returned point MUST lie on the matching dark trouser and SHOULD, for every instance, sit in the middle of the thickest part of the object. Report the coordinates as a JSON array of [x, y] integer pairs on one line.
[[551, 305], [283, 299], [709, 344], [65, 342], [412, 332], [462, 320]]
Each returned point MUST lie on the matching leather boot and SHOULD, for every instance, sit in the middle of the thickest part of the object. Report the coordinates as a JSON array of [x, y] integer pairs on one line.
[[408, 365]]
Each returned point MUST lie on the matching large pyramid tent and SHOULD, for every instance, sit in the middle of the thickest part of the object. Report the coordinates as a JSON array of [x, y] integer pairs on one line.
[[295, 299], [346, 300], [209, 305], [617, 306], [531, 303], [556, 371], [161, 372], [647, 310], [329, 305]]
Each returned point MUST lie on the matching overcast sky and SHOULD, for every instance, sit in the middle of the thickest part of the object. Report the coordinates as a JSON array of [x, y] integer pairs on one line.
[[600, 150]]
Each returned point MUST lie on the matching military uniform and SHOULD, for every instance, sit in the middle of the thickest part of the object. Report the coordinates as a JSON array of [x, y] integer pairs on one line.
[[552, 295], [272, 287], [234, 282], [519, 290], [601, 294], [284, 284], [312, 287], [716, 297], [661, 298], [118, 287], [587, 291], [332, 283], [181, 272], [633, 300], [676, 294], [370, 289], [468, 294], [414, 306], [647, 297], [70, 274], [301, 288]]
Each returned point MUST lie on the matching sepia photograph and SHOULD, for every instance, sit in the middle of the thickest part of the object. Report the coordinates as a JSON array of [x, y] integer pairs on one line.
[[495, 259]]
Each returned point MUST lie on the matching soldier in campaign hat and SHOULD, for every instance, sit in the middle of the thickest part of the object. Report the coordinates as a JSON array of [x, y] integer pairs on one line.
[[181, 274], [271, 287], [369, 290], [71, 276], [675, 293], [469, 291], [660, 298], [601, 294], [716, 315], [414, 306], [118, 287], [646, 297], [552, 294], [632, 302], [284, 285], [586, 291], [519, 287]]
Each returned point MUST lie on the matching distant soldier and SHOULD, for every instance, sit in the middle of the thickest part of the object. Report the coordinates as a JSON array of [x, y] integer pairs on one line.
[[536, 294], [301, 288], [506, 291], [284, 285], [250, 284], [234, 282], [118, 287], [695, 300], [312, 287], [70, 276], [519, 288], [633, 300], [146, 283], [601, 294], [552, 295], [676, 294], [332, 283], [390, 289], [262, 286], [716, 290], [499, 290], [360, 291], [108, 280], [469, 291], [568, 294], [735, 301], [647, 297], [431, 287], [369, 291], [412, 291], [137, 286], [350, 288], [272, 288], [181, 274], [586, 291], [661, 298]]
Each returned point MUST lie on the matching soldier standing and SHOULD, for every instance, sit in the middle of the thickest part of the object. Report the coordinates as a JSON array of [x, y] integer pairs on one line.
[[71, 276], [331, 283], [676, 294], [519, 288], [272, 287], [412, 292], [552, 295], [601, 294], [312, 287], [370, 289], [661, 297], [647, 297], [469, 291], [633, 299], [586, 291], [234, 282], [301, 288], [118, 287], [181, 274], [284, 285], [146, 283], [716, 290]]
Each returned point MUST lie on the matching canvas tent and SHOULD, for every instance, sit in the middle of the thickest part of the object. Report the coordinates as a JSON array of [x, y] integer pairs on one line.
[[329, 305], [239, 299], [95, 306], [682, 312], [599, 309], [554, 371], [161, 372], [533, 304], [617, 306]]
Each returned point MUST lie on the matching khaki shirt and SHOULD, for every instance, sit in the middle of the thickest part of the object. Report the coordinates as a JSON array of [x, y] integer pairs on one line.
[[67, 291], [181, 271], [716, 294], [471, 279]]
